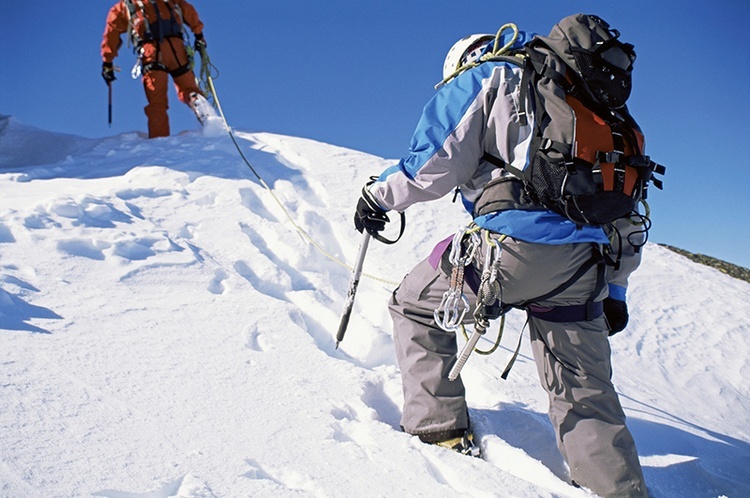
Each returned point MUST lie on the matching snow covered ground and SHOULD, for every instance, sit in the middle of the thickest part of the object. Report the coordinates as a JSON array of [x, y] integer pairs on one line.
[[166, 331]]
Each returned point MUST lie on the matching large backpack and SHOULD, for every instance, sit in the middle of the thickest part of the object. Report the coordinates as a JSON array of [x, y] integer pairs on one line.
[[586, 158]]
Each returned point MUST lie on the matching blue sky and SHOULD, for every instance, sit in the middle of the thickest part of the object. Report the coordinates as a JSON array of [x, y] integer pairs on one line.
[[357, 74]]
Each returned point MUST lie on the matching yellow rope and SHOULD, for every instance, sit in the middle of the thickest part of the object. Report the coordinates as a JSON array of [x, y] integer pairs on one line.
[[497, 341], [299, 229], [507, 46], [205, 74], [647, 214], [489, 55]]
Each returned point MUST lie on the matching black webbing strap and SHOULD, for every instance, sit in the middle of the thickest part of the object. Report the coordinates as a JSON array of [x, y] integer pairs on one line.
[[618, 144], [494, 160], [569, 313], [512, 360], [159, 35], [182, 69], [523, 96], [153, 66], [375, 235]]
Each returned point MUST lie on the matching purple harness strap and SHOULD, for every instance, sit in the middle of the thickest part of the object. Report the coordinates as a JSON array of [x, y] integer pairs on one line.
[[438, 251]]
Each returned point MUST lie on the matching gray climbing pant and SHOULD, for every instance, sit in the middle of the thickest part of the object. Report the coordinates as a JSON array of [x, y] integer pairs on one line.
[[572, 358]]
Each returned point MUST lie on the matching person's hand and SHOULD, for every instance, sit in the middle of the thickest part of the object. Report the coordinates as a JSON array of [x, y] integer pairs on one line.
[[108, 72], [200, 43], [616, 312], [369, 216]]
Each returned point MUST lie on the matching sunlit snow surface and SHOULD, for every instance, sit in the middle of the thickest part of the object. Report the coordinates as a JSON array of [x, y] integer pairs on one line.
[[166, 331]]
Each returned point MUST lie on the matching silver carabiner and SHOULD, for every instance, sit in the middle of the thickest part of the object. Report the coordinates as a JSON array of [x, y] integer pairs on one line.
[[452, 314], [489, 288], [458, 256], [454, 303], [136, 72]]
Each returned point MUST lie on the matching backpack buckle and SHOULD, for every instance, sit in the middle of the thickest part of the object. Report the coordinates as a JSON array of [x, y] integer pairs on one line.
[[609, 157]]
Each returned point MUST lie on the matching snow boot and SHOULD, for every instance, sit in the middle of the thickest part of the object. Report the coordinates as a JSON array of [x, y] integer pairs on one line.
[[201, 108], [463, 444], [213, 124]]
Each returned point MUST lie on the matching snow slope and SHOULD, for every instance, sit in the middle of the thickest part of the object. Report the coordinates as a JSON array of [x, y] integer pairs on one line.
[[166, 331]]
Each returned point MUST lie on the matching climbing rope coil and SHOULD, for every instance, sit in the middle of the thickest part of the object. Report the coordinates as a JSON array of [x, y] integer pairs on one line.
[[496, 51]]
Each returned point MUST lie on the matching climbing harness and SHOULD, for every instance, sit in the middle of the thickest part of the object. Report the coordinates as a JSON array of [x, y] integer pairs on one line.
[[162, 29], [474, 245]]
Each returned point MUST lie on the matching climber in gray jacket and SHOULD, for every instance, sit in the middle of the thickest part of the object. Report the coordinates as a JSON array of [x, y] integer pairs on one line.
[[475, 133]]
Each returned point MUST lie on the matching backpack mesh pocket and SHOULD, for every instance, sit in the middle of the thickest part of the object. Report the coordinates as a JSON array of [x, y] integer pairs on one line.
[[546, 179]]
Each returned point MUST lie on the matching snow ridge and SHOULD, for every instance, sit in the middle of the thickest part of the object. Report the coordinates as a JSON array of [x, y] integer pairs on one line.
[[166, 332]]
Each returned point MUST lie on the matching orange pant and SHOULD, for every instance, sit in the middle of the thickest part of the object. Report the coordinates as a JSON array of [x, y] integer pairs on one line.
[[172, 56]]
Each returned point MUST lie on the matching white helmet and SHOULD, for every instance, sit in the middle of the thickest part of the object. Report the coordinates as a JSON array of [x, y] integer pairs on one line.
[[467, 49]]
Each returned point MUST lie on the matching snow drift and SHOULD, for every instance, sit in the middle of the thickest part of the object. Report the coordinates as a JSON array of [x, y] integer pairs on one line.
[[165, 330]]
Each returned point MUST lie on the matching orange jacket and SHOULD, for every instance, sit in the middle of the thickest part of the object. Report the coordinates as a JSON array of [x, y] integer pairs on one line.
[[118, 22]]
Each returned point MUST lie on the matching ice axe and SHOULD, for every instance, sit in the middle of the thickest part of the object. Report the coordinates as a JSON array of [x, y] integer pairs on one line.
[[109, 77], [353, 284], [357, 273]]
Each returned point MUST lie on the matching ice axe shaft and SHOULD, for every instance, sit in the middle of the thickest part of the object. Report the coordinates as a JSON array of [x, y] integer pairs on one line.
[[479, 331], [353, 284], [110, 104]]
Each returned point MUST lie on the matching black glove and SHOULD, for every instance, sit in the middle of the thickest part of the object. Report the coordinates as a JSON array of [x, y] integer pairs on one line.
[[616, 312], [200, 43], [369, 216], [108, 72]]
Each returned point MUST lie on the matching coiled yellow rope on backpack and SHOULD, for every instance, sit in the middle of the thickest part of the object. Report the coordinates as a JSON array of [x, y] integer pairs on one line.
[[495, 52]]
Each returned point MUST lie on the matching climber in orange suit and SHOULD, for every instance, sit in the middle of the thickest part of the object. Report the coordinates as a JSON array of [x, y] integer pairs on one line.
[[156, 29]]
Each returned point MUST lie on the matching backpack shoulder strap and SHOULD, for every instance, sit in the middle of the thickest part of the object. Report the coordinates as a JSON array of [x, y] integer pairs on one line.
[[520, 58], [134, 7], [176, 10]]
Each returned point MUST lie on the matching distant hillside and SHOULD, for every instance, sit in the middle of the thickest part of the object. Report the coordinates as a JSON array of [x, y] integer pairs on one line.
[[735, 271]]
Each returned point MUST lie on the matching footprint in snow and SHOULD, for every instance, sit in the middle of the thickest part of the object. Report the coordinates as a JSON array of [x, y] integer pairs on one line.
[[255, 340], [217, 286], [6, 235]]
